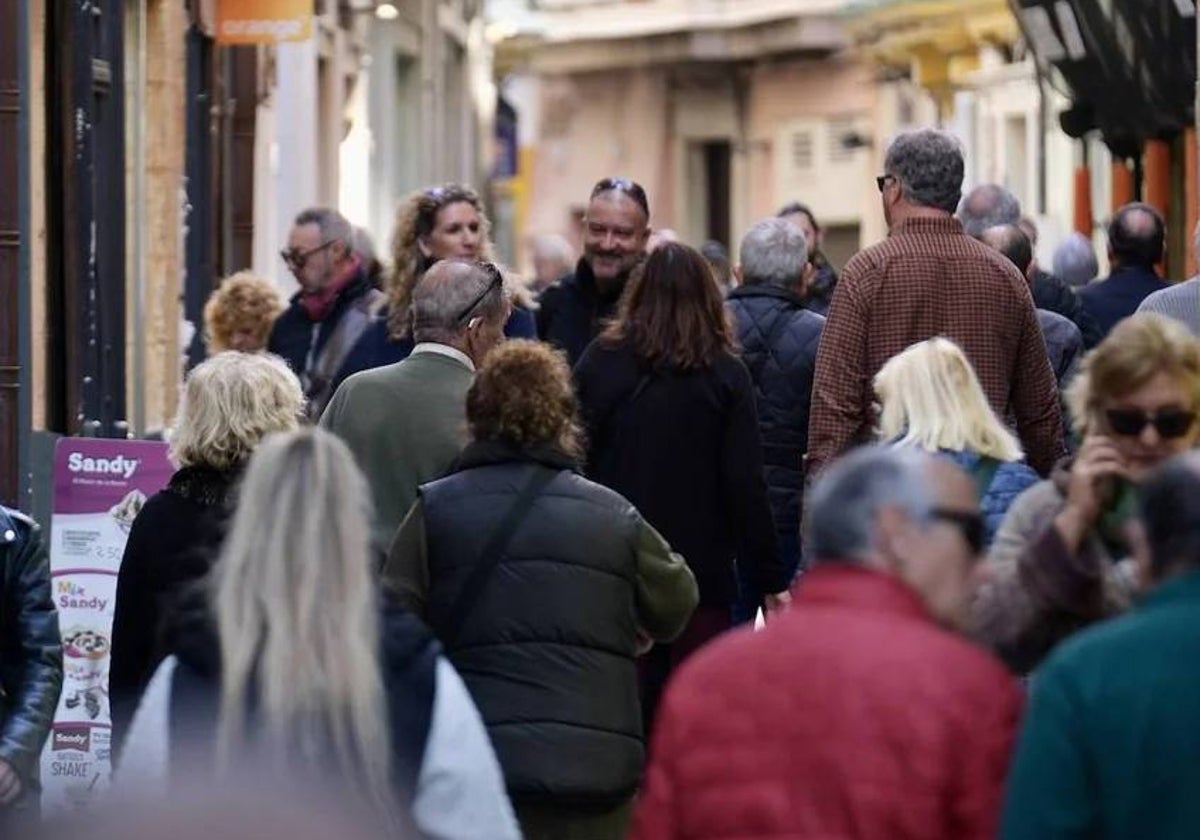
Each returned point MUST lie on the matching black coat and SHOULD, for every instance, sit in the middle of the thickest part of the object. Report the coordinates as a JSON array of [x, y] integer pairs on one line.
[[779, 340], [573, 311], [548, 649], [1052, 294], [173, 543], [684, 448], [30, 647]]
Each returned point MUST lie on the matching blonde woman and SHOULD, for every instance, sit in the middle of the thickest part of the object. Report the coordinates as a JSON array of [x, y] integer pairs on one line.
[[1063, 557], [240, 313], [930, 397], [230, 403], [289, 665]]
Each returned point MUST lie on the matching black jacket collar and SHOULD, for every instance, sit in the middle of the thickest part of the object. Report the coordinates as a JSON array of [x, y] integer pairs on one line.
[[490, 452], [762, 290]]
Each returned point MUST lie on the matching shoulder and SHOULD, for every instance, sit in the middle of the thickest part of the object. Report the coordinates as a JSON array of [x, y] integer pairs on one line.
[[15, 527], [732, 371], [1014, 478], [1094, 649], [574, 484]]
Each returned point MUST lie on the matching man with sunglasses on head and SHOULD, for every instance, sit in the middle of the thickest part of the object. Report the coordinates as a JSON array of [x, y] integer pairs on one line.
[[333, 307], [616, 229], [406, 422]]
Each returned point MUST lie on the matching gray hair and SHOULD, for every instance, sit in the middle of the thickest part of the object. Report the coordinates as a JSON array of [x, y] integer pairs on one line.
[[988, 206], [1075, 260], [929, 166], [552, 246], [445, 294], [773, 253], [333, 225], [847, 499]]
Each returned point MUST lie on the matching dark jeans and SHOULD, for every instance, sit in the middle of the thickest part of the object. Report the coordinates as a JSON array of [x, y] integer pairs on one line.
[[750, 601], [654, 669]]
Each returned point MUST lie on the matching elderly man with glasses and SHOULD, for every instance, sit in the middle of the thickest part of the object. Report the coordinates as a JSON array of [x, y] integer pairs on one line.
[[333, 308], [406, 422], [616, 231]]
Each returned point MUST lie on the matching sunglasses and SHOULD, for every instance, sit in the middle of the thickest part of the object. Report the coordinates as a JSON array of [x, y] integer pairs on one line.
[[296, 260], [970, 525], [882, 181], [626, 187], [1170, 423], [495, 280]]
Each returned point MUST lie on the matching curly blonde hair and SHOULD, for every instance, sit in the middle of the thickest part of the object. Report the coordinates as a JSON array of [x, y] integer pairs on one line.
[[1137, 350], [230, 403], [243, 301], [523, 396]]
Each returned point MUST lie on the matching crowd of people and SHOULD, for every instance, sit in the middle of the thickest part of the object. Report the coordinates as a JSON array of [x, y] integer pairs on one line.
[[480, 558]]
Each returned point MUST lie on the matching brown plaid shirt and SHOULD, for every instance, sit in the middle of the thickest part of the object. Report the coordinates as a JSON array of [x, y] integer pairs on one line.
[[929, 279]]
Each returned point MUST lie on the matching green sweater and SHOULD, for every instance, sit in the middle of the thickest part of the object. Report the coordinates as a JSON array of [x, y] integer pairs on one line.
[[405, 423], [1111, 746]]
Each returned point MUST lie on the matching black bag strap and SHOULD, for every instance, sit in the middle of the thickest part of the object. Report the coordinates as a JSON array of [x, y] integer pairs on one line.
[[983, 472], [497, 544]]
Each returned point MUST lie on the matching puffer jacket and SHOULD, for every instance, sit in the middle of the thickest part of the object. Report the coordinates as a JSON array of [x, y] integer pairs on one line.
[[30, 647], [779, 340], [1009, 482]]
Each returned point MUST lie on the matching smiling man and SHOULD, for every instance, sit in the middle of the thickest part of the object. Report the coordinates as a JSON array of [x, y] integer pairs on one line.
[[616, 229]]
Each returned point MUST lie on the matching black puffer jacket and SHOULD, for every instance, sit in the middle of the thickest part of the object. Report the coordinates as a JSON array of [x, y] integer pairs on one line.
[[574, 311], [548, 650], [779, 340], [30, 647], [1054, 295]]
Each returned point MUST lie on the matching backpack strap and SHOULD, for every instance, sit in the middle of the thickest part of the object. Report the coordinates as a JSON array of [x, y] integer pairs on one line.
[[983, 472]]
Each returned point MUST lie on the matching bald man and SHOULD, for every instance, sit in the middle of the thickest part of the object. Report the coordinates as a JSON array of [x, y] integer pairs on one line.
[[1136, 240]]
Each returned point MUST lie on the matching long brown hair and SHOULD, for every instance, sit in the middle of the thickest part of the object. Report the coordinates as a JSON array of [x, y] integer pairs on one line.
[[673, 314]]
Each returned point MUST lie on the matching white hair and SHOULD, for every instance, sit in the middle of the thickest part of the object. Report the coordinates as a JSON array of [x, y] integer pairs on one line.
[[773, 253]]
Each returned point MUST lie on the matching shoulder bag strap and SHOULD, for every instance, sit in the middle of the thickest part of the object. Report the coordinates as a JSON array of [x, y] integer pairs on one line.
[[492, 553]]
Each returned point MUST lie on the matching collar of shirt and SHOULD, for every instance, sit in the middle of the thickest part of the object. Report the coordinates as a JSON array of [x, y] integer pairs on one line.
[[444, 350], [928, 224]]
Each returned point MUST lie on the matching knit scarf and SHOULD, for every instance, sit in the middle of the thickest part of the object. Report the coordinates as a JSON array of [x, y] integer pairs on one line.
[[318, 305]]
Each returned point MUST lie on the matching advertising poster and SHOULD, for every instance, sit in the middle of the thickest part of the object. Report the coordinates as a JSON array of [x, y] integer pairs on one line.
[[99, 488]]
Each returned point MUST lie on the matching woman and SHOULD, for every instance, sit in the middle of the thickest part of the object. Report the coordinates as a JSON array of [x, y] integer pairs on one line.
[[240, 313], [290, 665], [1061, 559], [820, 292], [669, 411], [929, 397], [230, 403], [543, 586], [443, 223]]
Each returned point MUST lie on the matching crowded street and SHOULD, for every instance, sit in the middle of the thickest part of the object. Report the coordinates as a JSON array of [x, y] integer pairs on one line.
[[599, 420]]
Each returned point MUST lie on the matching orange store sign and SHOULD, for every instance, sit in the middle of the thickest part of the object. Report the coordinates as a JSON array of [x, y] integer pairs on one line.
[[264, 21]]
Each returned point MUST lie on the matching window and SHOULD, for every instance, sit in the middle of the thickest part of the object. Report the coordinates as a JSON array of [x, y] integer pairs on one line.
[[841, 130], [802, 151]]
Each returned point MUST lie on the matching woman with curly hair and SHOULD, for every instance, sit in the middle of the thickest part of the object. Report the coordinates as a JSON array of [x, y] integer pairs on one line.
[[240, 312], [441, 223], [543, 587]]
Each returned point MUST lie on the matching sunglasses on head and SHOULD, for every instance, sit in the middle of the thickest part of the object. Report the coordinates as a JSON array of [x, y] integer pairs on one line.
[[626, 187], [495, 279], [1170, 423], [970, 525]]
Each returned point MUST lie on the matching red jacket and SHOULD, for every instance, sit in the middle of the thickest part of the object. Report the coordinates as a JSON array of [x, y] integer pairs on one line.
[[853, 716]]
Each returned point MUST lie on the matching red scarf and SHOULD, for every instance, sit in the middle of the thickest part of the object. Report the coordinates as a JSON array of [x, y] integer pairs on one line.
[[319, 304]]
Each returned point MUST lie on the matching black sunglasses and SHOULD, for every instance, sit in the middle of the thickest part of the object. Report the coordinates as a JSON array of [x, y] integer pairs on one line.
[[1170, 423], [296, 260], [882, 181], [623, 185], [969, 524], [495, 279]]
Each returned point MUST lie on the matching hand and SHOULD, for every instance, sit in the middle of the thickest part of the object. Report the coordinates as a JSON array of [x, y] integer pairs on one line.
[[10, 783], [776, 604], [1090, 488]]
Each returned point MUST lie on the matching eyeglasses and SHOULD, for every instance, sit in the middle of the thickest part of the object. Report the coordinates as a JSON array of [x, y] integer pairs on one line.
[[970, 525], [495, 280], [624, 185], [882, 181], [296, 260], [1170, 423]]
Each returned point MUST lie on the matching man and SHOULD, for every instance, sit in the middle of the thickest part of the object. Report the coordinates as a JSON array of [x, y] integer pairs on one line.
[[30, 665], [406, 422], [1064, 342], [1182, 301], [1075, 261], [1111, 747], [859, 713], [820, 292], [615, 233], [333, 307], [991, 205], [930, 279], [779, 340], [1136, 239]]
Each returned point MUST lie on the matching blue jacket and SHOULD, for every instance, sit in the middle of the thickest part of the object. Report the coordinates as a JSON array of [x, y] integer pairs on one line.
[[779, 340], [1010, 481], [1119, 296]]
